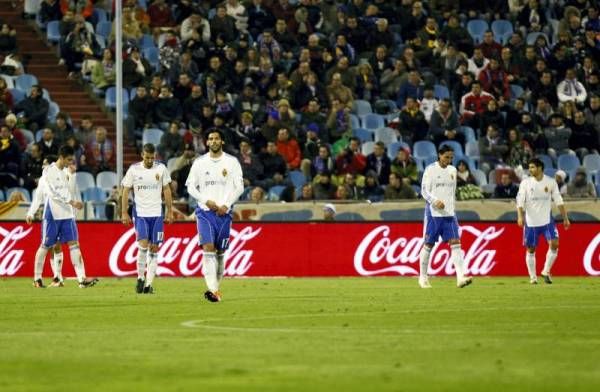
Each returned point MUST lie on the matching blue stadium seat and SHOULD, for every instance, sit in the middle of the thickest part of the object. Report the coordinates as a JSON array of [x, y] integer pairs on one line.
[[25, 81], [147, 41], [568, 162], [550, 171], [362, 134], [546, 160], [373, 121], [107, 180], [297, 178], [110, 99], [151, 54], [29, 136], [24, 191], [472, 149], [440, 91], [53, 110], [354, 121], [361, 107], [2, 198], [94, 194], [424, 149], [476, 28], [367, 148], [104, 29], [480, 177], [385, 106], [468, 132], [458, 150], [275, 192], [592, 163], [99, 15], [53, 32], [386, 135], [101, 41], [470, 162], [503, 30], [393, 148], [84, 181], [152, 135], [516, 91], [17, 94]]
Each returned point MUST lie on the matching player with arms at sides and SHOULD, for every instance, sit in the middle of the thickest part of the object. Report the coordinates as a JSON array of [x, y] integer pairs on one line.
[[438, 189], [149, 180], [59, 217], [216, 182], [534, 214]]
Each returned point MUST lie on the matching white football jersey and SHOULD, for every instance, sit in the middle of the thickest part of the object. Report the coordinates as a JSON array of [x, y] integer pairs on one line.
[[217, 179], [57, 191], [536, 198], [41, 192], [147, 185], [439, 184]]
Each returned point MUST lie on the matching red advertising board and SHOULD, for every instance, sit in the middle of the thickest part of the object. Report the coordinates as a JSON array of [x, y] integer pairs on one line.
[[309, 249]]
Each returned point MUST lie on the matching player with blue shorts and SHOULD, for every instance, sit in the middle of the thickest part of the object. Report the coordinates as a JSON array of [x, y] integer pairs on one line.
[[149, 181], [216, 182], [438, 189], [534, 214]]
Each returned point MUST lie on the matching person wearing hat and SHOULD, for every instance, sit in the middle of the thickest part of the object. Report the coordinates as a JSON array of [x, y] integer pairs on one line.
[[580, 186], [329, 212], [561, 177], [136, 69]]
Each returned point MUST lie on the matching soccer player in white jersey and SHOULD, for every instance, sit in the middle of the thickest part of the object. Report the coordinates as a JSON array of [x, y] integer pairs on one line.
[[59, 218], [149, 180], [38, 200], [216, 182], [535, 197], [438, 189]]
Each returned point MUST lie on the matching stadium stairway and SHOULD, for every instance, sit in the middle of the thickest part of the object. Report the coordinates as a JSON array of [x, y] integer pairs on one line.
[[41, 60]]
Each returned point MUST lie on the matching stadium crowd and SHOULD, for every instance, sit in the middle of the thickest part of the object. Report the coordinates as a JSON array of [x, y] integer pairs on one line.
[[323, 99]]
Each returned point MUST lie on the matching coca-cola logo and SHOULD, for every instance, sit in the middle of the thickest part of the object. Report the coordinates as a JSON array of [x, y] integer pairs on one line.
[[379, 254], [182, 256], [591, 257], [11, 260]]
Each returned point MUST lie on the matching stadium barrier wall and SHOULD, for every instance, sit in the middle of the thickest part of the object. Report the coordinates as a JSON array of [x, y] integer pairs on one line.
[[308, 249]]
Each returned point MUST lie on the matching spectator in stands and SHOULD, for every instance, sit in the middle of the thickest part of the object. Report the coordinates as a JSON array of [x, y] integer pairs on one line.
[[11, 122], [379, 162], [310, 149], [257, 195], [34, 108], [392, 79], [372, 190], [341, 193], [183, 89], [181, 169], [592, 115], [570, 89], [167, 108], [86, 131], [492, 116], [506, 189], [350, 159], [462, 88], [313, 115], [456, 34], [489, 47], [171, 142], [444, 124], [398, 189], [223, 25], [353, 191], [561, 178], [473, 104], [413, 126], [275, 167], [31, 167], [492, 149], [259, 18], [557, 136], [323, 189], [169, 51], [463, 174], [78, 153], [307, 193], [136, 69], [406, 167], [10, 158], [103, 74], [8, 39], [477, 62], [140, 109], [195, 27], [429, 103], [337, 91], [323, 162], [61, 128], [412, 87], [580, 186], [78, 42], [99, 153], [6, 99], [584, 139], [289, 149], [185, 65], [543, 112], [160, 15], [131, 27], [48, 144], [338, 122], [49, 11], [494, 79], [519, 150], [12, 65], [252, 167]]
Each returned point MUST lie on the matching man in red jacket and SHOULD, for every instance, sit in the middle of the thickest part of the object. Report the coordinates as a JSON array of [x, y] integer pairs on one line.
[[473, 104], [289, 149], [494, 80]]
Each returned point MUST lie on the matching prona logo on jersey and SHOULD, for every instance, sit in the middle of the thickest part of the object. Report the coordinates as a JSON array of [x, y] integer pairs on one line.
[[157, 177], [224, 172]]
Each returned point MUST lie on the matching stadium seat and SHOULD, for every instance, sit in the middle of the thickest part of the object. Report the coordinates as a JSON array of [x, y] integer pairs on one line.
[[550, 171], [592, 163], [25, 81], [94, 194], [479, 177], [297, 178], [386, 135], [503, 30], [476, 28], [104, 29], [147, 41], [110, 99], [152, 135], [568, 162], [367, 148], [84, 181], [53, 32], [470, 162], [107, 180], [354, 121], [53, 110], [373, 121], [151, 54], [440, 91], [516, 91], [29, 136], [24, 191], [468, 132], [361, 107], [393, 148], [101, 41], [275, 192], [385, 106], [171, 164], [531, 37], [424, 149], [458, 150], [546, 160], [99, 15], [17, 94], [362, 134]]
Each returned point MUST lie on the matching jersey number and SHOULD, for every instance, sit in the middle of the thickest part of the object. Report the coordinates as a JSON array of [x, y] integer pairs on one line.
[[224, 243]]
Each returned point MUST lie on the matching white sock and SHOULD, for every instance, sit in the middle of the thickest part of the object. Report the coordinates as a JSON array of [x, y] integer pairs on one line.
[[530, 260], [424, 261], [152, 265], [550, 259], [220, 266], [77, 261], [141, 261], [40, 257], [209, 269], [457, 259], [57, 261]]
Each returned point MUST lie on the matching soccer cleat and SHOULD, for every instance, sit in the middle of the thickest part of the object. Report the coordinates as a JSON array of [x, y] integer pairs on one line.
[[533, 281], [464, 282], [218, 295], [57, 283], [211, 297], [139, 287], [38, 284], [424, 283], [148, 290], [547, 278], [88, 283]]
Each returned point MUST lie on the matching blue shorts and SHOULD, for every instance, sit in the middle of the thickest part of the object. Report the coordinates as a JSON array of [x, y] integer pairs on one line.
[[57, 230], [442, 226], [213, 229], [149, 228], [531, 234]]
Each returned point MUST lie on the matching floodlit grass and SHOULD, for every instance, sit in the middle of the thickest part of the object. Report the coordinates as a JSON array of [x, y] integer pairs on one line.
[[369, 334]]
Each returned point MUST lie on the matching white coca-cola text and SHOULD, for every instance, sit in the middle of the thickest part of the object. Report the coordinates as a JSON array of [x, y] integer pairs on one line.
[[591, 257], [11, 259]]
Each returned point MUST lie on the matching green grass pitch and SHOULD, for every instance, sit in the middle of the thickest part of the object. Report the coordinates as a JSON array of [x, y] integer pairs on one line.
[[369, 334]]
